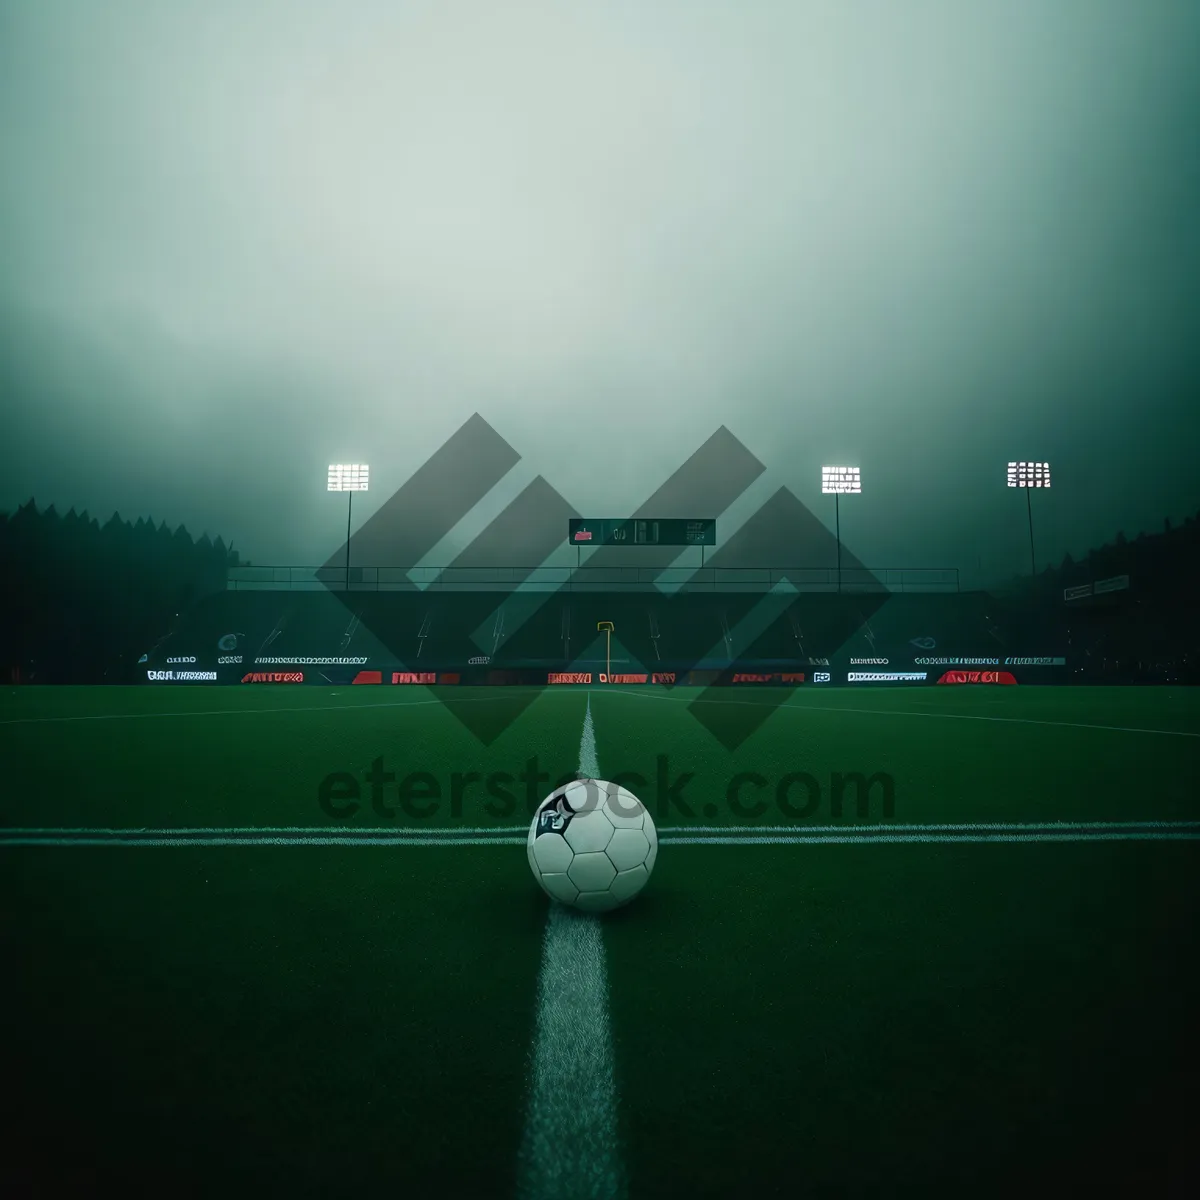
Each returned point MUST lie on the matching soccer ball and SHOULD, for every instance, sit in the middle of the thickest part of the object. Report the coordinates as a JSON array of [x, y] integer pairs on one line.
[[592, 845]]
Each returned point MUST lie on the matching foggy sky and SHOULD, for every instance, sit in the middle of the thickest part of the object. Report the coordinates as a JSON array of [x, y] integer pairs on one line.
[[240, 241]]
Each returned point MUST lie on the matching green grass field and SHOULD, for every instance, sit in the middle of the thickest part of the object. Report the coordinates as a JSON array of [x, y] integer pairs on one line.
[[797, 1003]]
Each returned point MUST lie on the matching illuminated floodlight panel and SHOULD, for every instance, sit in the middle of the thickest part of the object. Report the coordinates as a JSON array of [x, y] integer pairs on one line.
[[841, 481], [347, 477], [1029, 474]]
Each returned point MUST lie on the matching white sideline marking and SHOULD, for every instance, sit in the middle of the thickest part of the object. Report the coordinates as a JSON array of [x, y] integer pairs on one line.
[[675, 835], [712, 839], [894, 827], [569, 1150], [488, 831], [257, 841], [902, 712], [414, 832], [898, 839]]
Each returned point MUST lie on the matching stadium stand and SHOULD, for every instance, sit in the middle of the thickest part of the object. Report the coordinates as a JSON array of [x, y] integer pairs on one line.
[[108, 603], [446, 630]]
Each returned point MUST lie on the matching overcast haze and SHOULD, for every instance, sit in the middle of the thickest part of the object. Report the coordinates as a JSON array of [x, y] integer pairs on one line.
[[239, 241]]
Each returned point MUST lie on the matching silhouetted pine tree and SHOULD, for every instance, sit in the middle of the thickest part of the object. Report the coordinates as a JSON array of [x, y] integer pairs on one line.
[[85, 599]]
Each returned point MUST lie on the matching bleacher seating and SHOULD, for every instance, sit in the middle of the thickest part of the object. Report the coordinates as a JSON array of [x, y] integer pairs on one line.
[[446, 630]]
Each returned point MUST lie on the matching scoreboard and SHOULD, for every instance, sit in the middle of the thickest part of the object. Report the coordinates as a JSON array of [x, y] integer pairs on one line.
[[638, 531]]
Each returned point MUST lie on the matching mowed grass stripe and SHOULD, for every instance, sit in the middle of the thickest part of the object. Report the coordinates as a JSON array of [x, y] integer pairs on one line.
[[801, 706], [570, 1146], [501, 696], [678, 695]]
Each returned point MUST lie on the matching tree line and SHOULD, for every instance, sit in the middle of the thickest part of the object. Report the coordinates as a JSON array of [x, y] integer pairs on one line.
[[82, 601], [1165, 562], [1145, 631]]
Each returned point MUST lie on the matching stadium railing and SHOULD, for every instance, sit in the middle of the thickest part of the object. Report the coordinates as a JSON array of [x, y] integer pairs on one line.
[[601, 579]]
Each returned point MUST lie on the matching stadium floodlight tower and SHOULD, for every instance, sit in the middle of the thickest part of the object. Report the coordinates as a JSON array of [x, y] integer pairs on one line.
[[348, 478], [838, 482], [1029, 475]]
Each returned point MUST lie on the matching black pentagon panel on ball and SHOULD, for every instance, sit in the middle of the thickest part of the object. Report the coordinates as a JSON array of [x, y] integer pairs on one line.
[[554, 816]]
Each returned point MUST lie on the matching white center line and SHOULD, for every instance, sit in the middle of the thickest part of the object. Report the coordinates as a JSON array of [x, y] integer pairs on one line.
[[570, 1149]]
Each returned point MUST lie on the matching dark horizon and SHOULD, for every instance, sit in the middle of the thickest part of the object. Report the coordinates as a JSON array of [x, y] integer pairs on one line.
[[923, 243], [500, 561]]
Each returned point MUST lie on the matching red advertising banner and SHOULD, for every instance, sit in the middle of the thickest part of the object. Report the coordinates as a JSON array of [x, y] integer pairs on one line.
[[770, 677], [977, 677]]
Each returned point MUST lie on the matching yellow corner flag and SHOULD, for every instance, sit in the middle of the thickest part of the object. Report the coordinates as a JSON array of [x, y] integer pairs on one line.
[[607, 626]]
